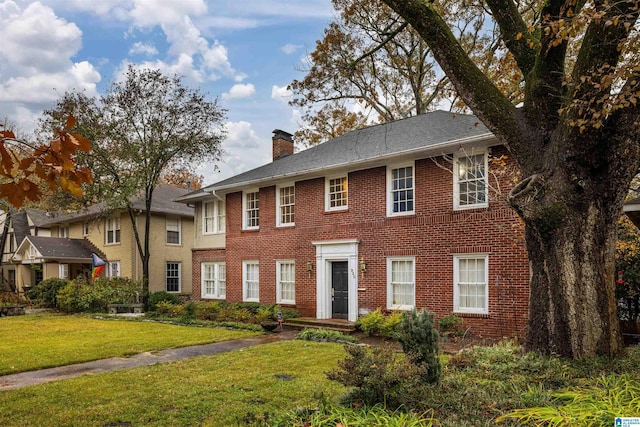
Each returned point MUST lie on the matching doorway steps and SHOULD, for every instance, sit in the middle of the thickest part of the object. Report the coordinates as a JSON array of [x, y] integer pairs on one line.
[[340, 325]]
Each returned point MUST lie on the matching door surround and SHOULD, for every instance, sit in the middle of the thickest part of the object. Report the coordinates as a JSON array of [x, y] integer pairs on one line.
[[327, 252]]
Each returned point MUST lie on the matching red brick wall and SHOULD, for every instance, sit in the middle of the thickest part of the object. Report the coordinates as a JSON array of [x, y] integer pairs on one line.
[[433, 235]]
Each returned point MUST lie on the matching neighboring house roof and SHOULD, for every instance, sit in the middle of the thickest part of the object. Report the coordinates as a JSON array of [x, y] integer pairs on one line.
[[432, 133], [20, 225], [59, 248], [161, 203], [632, 209]]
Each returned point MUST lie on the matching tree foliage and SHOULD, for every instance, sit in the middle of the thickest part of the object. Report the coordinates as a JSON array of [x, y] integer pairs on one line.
[[182, 177], [575, 137], [144, 127], [25, 167]]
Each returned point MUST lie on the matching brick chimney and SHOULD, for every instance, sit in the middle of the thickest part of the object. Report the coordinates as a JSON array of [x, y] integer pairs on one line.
[[282, 144]]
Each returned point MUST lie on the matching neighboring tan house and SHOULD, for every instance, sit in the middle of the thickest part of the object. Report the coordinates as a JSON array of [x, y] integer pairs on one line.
[[396, 216], [73, 237]]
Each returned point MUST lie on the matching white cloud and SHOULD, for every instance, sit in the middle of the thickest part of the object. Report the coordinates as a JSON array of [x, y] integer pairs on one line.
[[148, 13], [140, 48], [290, 49], [240, 91], [280, 93]]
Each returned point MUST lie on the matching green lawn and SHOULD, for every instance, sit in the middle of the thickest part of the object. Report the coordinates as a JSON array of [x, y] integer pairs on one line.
[[41, 341], [220, 390]]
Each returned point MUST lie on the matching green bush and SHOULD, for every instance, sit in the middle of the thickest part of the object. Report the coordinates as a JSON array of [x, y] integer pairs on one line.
[[209, 310], [450, 325], [160, 296], [46, 292], [419, 340], [79, 296], [372, 322], [325, 335]]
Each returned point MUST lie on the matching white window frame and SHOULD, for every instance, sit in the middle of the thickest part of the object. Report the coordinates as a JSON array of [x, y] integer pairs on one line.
[[63, 231], [391, 304], [457, 308], [457, 180], [246, 279], [328, 193], [219, 277], [279, 281], [281, 213], [63, 271], [390, 189], [245, 212], [113, 269], [166, 277], [112, 225], [215, 223], [170, 222]]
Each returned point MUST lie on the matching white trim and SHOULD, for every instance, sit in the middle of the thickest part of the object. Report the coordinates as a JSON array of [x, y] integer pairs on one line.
[[245, 292], [63, 271], [456, 178], [110, 265], [456, 280], [327, 252], [327, 193], [218, 266], [390, 169], [116, 227], [166, 278], [279, 264], [218, 212], [279, 222], [244, 209], [179, 231], [390, 302]]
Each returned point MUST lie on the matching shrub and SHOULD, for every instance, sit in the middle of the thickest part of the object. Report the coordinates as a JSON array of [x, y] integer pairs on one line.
[[46, 292], [391, 325], [450, 325], [372, 322], [325, 335], [209, 310], [156, 297], [79, 296], [419, 340], [378, 375]]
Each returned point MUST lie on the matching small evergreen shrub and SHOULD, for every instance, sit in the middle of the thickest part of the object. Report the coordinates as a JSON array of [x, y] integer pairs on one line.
[[391, 325], [419, 340], [372, 322], [156, 297], [46, 292]]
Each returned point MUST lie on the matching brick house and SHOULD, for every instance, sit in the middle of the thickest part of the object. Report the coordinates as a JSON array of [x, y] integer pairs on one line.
[[396, 216]]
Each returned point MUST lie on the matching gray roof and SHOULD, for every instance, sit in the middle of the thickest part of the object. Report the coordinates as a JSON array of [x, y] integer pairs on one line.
[[424, 134], [162, 203], [61, 248]]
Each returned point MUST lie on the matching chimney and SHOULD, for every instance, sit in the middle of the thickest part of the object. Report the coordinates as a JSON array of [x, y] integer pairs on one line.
[[282, 144]]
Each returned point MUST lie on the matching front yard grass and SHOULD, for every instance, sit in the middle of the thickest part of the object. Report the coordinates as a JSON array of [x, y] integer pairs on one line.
[[222, 390], [45, 340]]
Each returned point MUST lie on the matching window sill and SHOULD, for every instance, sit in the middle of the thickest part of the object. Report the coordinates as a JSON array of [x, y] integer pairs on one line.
[[470, 207], [401, 215], [472, 315], [335, 211]]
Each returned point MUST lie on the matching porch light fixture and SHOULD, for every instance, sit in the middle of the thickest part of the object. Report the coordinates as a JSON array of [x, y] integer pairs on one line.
[[309, 268], [363, 266]]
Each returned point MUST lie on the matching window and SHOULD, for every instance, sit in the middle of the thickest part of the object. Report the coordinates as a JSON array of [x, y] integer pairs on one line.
[[113, 269], [63, 271], [173, 231], [251, 281], [470, 276], [173, 277], [214, 280], [286, 205], [336, 194], [112, 230], [213, 216], [63, 231], [401, 283], [286, 282], [251, 209], [400, 191], [470, 181], [85, 228]]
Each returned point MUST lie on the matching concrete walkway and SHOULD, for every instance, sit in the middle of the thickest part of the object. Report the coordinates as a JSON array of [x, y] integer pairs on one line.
[[24, 379]]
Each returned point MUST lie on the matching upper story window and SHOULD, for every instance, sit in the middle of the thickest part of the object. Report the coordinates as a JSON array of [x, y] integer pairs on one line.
[[336, 193], [286, 205], [63, 231], [251, 210], [85, 228], [213, 217], [401, 283], [400, 190], [470, 283], [112, 230], [470, 181], [173, 231]]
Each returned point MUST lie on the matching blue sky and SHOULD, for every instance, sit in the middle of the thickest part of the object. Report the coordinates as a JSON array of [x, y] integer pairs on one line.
[[245, 52]]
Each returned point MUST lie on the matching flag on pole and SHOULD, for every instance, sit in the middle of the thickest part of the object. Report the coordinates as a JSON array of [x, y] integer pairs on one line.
[[97, 266]]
